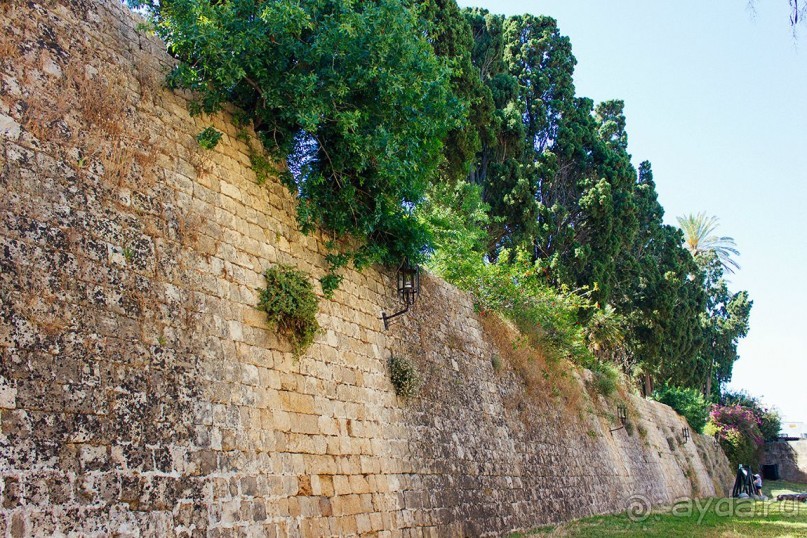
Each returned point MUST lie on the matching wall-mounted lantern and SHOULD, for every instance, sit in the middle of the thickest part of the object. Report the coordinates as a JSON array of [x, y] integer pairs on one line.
[[717, 439], [622, 412], [622, 415], [408, 287], [685, 431]]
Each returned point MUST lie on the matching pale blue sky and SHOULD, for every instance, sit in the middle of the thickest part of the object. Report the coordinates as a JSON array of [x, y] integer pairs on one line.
[[716, 99]]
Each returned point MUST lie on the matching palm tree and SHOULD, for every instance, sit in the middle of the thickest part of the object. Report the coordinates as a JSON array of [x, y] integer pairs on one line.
[[699, 238]]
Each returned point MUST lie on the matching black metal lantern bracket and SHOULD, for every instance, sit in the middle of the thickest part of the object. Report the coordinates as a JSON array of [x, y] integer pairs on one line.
[[408, 288], [685, 432], [622, 413]]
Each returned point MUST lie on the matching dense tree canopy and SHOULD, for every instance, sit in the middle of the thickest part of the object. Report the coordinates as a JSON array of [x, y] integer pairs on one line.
[[658, 291], [416, 128], [351, 93], [724, 323], [554, 171]]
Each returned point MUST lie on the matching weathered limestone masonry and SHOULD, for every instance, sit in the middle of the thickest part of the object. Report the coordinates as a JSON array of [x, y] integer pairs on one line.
[[141, 393], [791, 457]]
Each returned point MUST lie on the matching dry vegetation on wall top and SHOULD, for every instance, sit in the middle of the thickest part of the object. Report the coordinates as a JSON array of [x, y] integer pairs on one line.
[[559, 380], [541, 378], [71, 94]]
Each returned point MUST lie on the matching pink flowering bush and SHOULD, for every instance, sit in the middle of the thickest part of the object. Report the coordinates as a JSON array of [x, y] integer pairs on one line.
[[738, 430]]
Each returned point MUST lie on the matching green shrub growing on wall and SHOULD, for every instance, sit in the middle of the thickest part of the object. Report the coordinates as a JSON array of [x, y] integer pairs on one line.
[[605, 378], [291, 306], [208, 138], [404, 376], [687, 402]]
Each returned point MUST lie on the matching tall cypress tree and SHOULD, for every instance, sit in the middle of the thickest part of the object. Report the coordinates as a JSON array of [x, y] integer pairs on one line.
[[658, 289]]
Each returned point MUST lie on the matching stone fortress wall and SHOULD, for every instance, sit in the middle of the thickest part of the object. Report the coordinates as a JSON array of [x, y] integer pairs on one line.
[[791, 456], [142, 394]]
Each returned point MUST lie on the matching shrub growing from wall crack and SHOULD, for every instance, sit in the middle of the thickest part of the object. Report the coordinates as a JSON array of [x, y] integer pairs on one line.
[[404, 376], [291, 306], [209, 138]]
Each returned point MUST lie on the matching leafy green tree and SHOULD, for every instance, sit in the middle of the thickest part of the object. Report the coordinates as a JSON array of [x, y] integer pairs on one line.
[[604, 217], [501, 167], [540, 59], [700, 239], [458, 218], [351, 93], [725, 322], [555, 172], [658, 291], [450, 35], [554, 169], [687, 402]]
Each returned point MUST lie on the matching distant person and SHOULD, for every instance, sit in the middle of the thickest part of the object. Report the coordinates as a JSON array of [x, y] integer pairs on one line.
[[757, 484]]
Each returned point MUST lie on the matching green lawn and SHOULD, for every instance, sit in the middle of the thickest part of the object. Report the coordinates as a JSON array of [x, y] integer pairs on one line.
[[706, 518]]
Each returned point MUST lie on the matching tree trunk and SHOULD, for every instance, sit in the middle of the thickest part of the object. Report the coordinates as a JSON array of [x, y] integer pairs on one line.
[[648, 385]]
